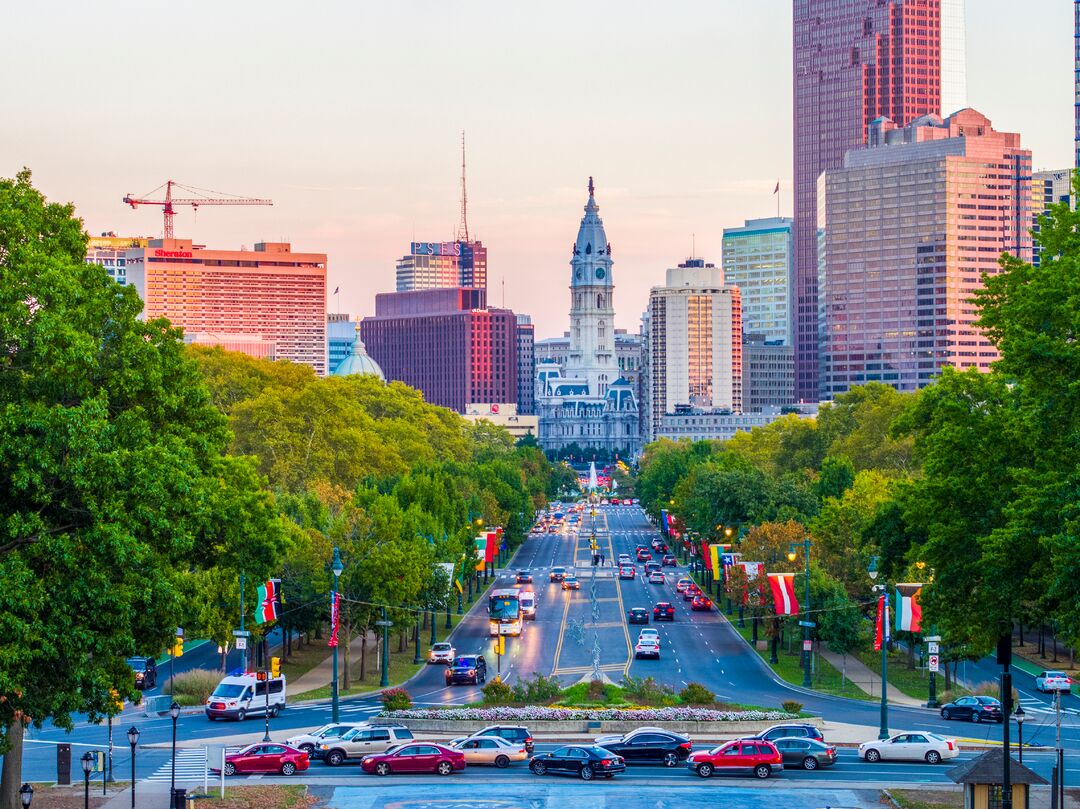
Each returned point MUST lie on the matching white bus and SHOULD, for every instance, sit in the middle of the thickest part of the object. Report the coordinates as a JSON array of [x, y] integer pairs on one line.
[[504, 613]]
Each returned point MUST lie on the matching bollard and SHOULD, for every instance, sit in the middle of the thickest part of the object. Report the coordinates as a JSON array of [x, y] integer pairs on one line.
[[179, 798]]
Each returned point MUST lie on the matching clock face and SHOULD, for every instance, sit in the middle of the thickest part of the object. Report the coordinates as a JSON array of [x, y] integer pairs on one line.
[[600, 272]]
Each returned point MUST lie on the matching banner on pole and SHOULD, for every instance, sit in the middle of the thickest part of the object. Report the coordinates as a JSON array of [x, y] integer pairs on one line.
[[335, 619]]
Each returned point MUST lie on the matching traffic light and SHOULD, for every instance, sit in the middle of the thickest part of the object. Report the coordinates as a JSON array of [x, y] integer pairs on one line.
[[500, 645], [275, 666], [178, 648], [262, 676]]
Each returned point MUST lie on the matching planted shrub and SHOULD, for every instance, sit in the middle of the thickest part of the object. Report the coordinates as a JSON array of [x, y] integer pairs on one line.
[[992, 689], [396, 699], [597, 692], [697, 694], [647, 691], [497, 693], [192, 687], [536, 689], [791, 706]]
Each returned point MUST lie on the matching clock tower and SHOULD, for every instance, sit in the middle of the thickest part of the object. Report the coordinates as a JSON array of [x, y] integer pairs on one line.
[[592, 310]]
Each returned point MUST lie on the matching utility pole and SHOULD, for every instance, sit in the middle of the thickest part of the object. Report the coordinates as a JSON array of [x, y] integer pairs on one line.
[[243, 655]]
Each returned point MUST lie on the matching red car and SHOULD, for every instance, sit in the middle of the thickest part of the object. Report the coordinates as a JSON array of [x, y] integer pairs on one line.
[[627, 572], [757, 757], [664, 611], [669, 560], [415, 757], [643, 555], [701, 604], [266, 758]]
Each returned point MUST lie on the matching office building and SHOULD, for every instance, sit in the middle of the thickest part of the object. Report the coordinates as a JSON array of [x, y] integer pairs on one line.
[[586, 402], [758, 259], [1047, 188], [697, 424], [768, 373], [910, 225], [447, 343], [340, 336], [109, 251], [506, 416], [268, 302], [853, 61], [695, 342], [526, 360], [953, 56], [433, 265]]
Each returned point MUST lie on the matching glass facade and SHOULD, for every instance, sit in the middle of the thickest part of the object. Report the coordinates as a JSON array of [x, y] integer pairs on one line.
[[758, 259], [433, 265], [953, 57]]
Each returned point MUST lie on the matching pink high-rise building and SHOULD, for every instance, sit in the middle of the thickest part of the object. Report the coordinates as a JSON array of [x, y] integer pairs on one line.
[[908, 226], [268, 302], [854, 61]]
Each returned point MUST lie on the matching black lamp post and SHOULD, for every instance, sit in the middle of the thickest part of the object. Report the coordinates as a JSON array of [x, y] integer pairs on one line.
[[174, 712], [417, 659], [133, 739], [1020, 716], [26, 794], [87, 766]]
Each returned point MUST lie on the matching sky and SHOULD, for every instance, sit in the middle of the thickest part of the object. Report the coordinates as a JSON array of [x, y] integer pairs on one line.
[[349, 116]]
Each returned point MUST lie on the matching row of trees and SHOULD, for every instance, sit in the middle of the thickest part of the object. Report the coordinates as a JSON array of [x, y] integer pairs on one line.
[[970, 483]]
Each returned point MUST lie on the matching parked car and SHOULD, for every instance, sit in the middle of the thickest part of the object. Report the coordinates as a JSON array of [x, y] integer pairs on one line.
[[415, 758], [490, 750], [928, 747], [518, 734], [649, 746], [789, 730], [663, 611], [974, 709], [669, 561], [145, 669], [362, 741], [557, 574], [647, 647], [1049, 681], [759, 758], [806, 753], [585, 761], [309, 742], [467, 670], [441, 652], [570, 582], [523, 577], [637, 615], [627, 572], [277, 758]]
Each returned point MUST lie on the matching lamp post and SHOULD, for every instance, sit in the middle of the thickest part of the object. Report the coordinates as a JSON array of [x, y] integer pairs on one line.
[[385, 681], [133, 739], [883, 731], [806, 622], [417, 660], [26, 794], [338, 568], [87, 766], [174, 712], [1020, 716], [434, 630]]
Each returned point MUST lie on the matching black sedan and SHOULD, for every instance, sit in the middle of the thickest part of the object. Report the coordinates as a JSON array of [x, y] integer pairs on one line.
[[585, 761], [663, 611], [649, 746], [524, 577], [638, 615], [806, 753], [974, 709]]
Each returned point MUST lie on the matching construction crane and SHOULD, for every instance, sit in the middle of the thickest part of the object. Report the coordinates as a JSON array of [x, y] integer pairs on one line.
[[170, 201]]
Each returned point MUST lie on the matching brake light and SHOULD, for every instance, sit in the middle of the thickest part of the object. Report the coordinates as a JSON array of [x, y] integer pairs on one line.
[[607, 762], [950, 745], [685, 746]]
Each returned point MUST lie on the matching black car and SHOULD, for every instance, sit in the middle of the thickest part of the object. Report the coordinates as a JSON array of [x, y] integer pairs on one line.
[[585, 761], [663, 611], [638, 615], [145, 669], [790, 730], [467, 670], [648, 746], [518, 734], [523, 577], [974, 709], [806, 753]]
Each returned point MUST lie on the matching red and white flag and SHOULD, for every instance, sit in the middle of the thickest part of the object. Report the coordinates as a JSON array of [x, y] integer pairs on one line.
[[783, 593], [909, 608], [881, 626], [335, 619]]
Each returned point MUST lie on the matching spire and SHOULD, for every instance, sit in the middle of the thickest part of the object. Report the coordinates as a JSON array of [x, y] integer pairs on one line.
[[591, 188], [463, 226]]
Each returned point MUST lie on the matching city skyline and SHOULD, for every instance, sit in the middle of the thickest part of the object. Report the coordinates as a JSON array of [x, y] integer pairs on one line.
[[352, 175]]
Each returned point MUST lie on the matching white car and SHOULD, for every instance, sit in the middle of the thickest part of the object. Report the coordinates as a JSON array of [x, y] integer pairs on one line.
[[649, 633], [647, 647], [928, 747], [442, 653], [309, 741], [656, 577], [624, 559], [682, 584], [1053, 681]]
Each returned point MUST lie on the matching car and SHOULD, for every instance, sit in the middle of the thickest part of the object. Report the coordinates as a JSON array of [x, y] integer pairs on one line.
[[759, 758], [683, 583], [265, 758], [647, 647], [637, 615], [490, 750], [669, 561], [656, 577], [1049, 681], [624, 559], [557, 574], [922, 746], [650, 632], [627, 572], [523, 577], [635, 501], [701, 604], [652, 566], [663, 611], [974, 709], [788, 730], [468, 670], [649, 746], [415, 757], [662, 548], [806, 753], [585, 761], [442, 653], [691, 592], [517, 734], [604, 502], [309, 742], [145, 669], [656, 543], [362, 740], [643, 555], [570, 582]]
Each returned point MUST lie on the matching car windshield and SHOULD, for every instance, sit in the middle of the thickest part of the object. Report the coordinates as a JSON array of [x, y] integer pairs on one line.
[[441, 647], [137, 663], [228, 690], [465, 662]]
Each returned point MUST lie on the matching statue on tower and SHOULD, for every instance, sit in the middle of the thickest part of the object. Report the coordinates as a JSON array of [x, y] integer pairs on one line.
[[591, 189]]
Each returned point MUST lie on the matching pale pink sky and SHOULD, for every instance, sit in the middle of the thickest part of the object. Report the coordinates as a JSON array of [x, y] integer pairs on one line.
[[348, 115]]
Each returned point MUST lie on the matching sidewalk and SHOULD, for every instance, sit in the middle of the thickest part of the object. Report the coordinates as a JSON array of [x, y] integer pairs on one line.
[[867, 680]]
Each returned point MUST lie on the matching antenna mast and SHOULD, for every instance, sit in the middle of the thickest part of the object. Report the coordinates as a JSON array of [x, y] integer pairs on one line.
[[463, 226]]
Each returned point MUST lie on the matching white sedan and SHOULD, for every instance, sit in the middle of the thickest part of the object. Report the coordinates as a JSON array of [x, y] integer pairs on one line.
[[928, 747], [1053, 681], [647, 646]]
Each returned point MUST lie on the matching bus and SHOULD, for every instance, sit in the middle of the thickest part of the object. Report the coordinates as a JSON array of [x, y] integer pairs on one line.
[[504, 613]]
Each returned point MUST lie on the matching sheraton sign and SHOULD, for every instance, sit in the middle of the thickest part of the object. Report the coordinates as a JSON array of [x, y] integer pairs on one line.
[[173, 254]]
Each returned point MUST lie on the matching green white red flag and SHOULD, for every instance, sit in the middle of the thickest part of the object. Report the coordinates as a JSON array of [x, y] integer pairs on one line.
[[268, 602]]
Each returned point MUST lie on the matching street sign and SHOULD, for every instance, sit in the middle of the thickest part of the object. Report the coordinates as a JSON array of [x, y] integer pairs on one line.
[[807, 645], [384, 623], [241, 644], [933, 639], [241, 633], [931, 648], [807, 624], [934, 667]]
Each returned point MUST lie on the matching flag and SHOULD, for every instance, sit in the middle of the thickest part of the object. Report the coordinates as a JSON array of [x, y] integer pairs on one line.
[[335, 619], [714, 562], [457, 578], [783, 592], [706, 555], [664, 520], [336, 290], [908, 608], [777, 189], [753, 569], [481, 551], [492, 546], [881, 625], [268, 597]]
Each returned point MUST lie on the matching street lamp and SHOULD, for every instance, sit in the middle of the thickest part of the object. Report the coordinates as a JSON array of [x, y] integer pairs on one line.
[[87, 766], [385, 681], [417, 660], [26, 794], [883, 731], [133, 739], [174, 712], [807, 624], [1020, 716], [338, 568]]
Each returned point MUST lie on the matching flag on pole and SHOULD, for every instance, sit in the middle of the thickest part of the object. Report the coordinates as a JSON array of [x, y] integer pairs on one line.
[[456, 577], [335, 619], [336, 290], [783, 592], [777, 189], [268, 601], [481, 551], [715, 562], [909, 607], [881, 625], [706, 555]]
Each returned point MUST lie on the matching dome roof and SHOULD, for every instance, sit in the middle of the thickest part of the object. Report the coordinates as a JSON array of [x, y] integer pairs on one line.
[[358, 362]]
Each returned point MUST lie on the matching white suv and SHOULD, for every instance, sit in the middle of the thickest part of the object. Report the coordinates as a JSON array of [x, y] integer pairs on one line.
[[361, 741], [309, 741]]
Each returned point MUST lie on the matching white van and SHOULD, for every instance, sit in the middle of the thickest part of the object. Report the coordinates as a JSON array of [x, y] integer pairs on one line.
[[237, 697], [527, 600]]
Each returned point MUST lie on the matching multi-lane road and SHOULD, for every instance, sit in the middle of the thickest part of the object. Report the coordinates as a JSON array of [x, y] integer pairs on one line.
[[576, 632]]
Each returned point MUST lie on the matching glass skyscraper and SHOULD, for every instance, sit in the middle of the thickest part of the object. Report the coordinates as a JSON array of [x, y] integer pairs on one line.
[[757, 258]]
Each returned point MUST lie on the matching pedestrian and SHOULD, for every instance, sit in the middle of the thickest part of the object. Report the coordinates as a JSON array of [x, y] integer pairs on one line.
[[601, 560]]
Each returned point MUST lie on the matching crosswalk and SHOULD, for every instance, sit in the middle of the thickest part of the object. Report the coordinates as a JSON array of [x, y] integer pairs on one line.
[[1036, 705], [190, 766]]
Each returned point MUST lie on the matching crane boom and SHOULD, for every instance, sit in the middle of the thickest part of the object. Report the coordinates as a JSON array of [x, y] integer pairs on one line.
[[193, 202]]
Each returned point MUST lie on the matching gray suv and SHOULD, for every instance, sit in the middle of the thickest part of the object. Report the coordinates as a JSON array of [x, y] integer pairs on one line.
[[363, 741]]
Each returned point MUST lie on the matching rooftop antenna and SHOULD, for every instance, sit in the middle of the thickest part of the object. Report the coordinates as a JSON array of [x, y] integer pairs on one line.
[[463, 227], [693, 245]]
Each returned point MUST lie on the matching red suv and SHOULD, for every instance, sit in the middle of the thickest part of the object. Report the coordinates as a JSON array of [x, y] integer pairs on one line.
[[759, 758], [643, 555], [663, 611]]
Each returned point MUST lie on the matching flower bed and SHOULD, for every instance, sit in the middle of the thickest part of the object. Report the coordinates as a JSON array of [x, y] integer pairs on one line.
[[541, 713]]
